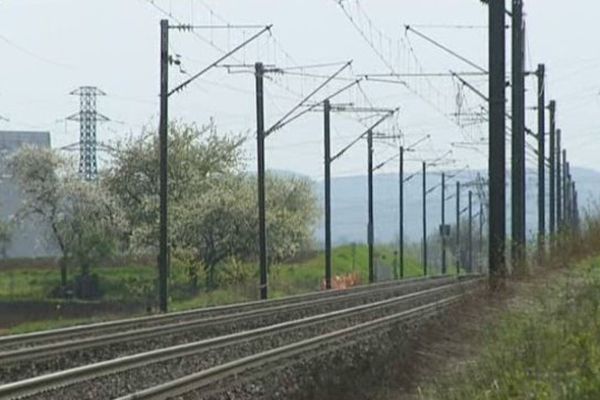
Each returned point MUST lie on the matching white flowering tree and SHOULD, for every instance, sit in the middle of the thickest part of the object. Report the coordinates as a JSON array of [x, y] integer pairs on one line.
[[6, 227], [195, 155], [222, 222], [292, 213], [85, 222], [216, 224], [212, 204]]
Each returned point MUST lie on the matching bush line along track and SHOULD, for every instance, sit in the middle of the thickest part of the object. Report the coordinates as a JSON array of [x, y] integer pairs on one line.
[[38, 353], [48, 382], [101, 328]]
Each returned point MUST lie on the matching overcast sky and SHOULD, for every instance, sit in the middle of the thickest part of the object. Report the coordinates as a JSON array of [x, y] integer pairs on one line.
[[50, 47]]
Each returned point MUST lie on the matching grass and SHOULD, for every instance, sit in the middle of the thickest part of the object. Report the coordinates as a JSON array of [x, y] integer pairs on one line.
[[136, 283], [37, 283], [294, 278], [49, 324], [546, 348], [298, 277]]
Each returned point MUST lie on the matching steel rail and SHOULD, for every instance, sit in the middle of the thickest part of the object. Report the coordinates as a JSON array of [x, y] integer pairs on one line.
[[39, 353], [37, 385], [204, 379], [97, 328]]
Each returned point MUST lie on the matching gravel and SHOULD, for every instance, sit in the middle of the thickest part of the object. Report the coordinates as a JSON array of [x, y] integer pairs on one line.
[[189, 316], [71, 359], [315, 375], [115, 385]]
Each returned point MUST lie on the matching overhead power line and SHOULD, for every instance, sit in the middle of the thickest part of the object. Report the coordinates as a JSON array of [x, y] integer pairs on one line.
[[32, 54], [369, 40], [316, 76], [425, 74], [190, 27], [445, 48], [362, 135], [313, 66], [313, 106], [225, 56], [449, 26], [282, 121]]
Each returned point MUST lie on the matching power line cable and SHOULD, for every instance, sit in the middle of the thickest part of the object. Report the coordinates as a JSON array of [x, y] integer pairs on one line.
[[33, 54], [445, 48]]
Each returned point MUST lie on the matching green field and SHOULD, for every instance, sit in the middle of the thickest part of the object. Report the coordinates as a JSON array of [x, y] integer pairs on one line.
[[134, 284]]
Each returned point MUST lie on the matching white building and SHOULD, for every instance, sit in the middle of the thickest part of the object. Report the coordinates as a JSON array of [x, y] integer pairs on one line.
[[29, 238]]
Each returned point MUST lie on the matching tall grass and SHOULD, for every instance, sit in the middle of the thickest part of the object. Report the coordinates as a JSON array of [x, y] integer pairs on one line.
[[549, 348]]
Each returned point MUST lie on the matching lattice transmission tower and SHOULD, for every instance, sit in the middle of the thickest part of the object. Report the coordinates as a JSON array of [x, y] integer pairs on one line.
[[88, 118]]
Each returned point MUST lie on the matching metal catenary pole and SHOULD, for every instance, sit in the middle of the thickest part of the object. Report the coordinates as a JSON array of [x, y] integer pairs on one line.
[[370, 227], [541, 109], [165, 60], [443, 226], [571, 202], [565, 187], [577, 215], [573, 206], [497, 133], [163, 257], [558, 181], [552, 168], [470, 254], [327, 149], [480, 258], [369, 134], [518, 138], [567, 190], [425, 271], [401, 210], [457, 255], [570, 198], [260, 147]]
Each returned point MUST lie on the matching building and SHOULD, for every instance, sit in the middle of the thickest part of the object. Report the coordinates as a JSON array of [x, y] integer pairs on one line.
[[29, 237]]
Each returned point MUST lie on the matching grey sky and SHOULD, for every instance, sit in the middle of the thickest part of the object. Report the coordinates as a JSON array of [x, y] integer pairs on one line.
[[50, 47]]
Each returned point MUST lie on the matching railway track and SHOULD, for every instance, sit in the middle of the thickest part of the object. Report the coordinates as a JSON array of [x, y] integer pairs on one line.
[[101, 328], [32, 361], [223, 355], [208, 384]]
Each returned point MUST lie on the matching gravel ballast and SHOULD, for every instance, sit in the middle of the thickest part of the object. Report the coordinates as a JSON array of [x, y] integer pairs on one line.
[[71, 359], [112, 386]]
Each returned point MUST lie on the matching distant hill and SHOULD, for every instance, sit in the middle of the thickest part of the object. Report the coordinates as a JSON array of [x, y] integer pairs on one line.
[[349, 204]]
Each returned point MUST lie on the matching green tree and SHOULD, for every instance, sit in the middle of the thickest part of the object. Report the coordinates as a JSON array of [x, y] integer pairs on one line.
[[5, 237], [84, 220]]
